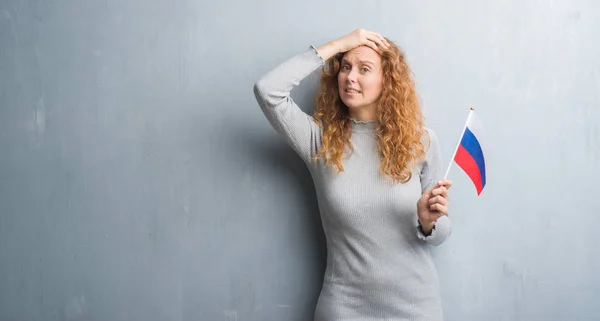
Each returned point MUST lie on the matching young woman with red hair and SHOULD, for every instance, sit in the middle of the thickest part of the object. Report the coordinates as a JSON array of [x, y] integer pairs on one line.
[[377, 173]]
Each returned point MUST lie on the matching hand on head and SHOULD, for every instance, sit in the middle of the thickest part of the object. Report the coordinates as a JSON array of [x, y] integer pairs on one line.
[[362, 37]]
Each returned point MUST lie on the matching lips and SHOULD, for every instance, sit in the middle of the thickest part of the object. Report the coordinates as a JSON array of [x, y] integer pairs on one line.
[[352, 91]]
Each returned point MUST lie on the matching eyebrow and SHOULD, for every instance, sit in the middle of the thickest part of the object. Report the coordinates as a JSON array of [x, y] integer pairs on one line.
[[367, 62]]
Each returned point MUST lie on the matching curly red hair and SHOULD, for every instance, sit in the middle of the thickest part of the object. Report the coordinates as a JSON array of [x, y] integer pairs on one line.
[[399, 127]]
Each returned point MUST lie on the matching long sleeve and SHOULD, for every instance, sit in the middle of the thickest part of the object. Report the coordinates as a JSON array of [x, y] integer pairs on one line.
[[272, 93], [431, 172], [374, 271]]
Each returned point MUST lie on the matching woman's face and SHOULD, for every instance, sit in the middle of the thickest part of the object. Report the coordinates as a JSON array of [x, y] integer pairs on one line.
[[360, 79]]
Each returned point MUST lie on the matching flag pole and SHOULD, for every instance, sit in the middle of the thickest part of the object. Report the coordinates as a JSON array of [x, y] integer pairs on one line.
[[458, 145]]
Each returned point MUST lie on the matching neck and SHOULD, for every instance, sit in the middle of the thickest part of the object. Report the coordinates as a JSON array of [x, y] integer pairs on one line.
[[363, 113]]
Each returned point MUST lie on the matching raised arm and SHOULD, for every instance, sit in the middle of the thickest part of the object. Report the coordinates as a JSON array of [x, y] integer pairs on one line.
[[273, 90], [272, 93]]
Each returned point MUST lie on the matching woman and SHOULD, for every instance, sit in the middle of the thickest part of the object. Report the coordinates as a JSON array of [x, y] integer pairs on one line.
[[375, 168]]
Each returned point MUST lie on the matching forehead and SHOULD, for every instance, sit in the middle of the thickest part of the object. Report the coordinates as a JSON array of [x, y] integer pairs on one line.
[[362, 53]]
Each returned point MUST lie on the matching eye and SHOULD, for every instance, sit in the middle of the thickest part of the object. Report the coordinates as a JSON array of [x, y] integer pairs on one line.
[[345, 67], [365, 69]]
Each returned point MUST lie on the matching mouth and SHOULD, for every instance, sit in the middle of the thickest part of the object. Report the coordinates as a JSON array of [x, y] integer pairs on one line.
[[352, 91]]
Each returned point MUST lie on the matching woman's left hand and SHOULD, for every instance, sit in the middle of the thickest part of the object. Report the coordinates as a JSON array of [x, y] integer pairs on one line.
[[433, 204]]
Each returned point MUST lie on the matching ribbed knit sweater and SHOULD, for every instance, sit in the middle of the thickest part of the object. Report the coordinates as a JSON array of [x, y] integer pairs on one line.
[[378, 261]]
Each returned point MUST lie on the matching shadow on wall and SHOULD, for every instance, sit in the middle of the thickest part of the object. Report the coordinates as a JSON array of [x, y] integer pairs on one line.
[[283, 156], [255, 150], [305, 249], [253, 144]]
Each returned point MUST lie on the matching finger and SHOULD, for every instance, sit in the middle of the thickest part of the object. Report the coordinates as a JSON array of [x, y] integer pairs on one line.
[[445, 182], [373, 45], [378, 40], [434, 199], [440, 191], [382, 39], [437, 207], [439, 200], [439, 215], [444, 192], [441, 208], [433, 207]]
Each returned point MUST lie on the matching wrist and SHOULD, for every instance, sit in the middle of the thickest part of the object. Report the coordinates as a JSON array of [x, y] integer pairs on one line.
[[329, 49], [426, 227], [336, 45]]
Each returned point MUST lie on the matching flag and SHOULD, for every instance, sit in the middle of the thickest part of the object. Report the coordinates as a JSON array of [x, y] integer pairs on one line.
[[469, 154]]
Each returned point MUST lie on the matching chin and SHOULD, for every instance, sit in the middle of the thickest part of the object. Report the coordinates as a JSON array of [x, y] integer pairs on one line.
[[351, 104]]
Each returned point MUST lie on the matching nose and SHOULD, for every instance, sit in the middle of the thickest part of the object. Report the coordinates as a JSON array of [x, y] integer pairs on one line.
[[352, 75]]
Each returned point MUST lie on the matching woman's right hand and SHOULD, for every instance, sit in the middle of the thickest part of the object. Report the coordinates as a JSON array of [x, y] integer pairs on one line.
[[362, 37], [358, 37]]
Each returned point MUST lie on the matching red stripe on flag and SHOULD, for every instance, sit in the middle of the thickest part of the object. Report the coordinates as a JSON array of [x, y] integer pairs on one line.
[[468, 164]]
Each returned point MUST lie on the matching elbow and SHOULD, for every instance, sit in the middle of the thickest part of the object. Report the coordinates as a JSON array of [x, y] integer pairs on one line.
[[259, 93], [257, 88], [266, 95], [260, 89]]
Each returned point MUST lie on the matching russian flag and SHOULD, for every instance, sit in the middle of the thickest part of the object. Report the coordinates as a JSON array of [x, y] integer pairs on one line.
[[469, 154]]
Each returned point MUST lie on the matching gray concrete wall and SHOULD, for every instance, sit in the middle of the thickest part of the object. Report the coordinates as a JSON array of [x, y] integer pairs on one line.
[[139, 180]]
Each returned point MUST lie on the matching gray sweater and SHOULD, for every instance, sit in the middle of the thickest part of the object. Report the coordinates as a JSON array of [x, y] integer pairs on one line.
[[378, 261]]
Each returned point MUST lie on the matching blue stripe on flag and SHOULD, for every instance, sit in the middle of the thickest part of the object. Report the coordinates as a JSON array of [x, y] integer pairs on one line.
[[471, 144]]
